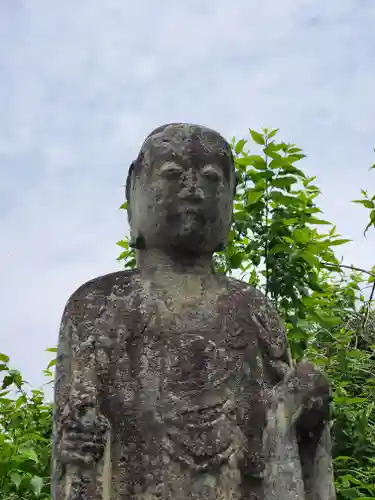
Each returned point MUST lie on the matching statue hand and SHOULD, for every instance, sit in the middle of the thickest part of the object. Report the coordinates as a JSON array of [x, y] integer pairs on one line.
[[82, 442], [312, 391]]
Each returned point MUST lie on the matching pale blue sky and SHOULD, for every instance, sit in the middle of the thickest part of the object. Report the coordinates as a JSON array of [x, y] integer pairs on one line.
[[82, 83]]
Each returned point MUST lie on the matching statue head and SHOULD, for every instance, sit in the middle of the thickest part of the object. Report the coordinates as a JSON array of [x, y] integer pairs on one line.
[[180, 190]]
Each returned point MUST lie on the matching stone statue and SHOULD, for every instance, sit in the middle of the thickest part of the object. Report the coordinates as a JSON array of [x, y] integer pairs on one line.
[[174, 382]]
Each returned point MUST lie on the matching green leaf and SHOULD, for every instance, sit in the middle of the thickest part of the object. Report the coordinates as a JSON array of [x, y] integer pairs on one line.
[[339, 242], [290, 169], [7, 381], [123, 244], [51, 349], [342, 458], [29, 453], [281, 182], [365, 203], [17, 377], [239, 146], [350, 493], [260, 165], [4, 358], [371, 223], [273, 146], [254, 196], [282, 199], [314, 220], [21, 401], [252, 160], [276, 163], [279, 248], [367, 228], [302, 235], [290, 222], [257, 137], [272, 154], [37, 485], [235, 260], [130, 263], [309, 258], [16, 479], [273, 133], [326, 320], [51, 364], [123, 255], [124, 206], [295, 157]]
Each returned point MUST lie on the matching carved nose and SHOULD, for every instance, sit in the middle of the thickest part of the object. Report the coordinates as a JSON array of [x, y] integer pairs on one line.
[[192, 193], [191, 190]]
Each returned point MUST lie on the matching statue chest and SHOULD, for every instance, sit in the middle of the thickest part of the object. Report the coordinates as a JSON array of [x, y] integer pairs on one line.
[[192, 349], [184, 382], [180, 362]]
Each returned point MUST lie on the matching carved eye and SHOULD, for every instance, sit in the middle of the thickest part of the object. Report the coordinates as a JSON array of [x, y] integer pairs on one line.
[[212, 172], [171, 170]]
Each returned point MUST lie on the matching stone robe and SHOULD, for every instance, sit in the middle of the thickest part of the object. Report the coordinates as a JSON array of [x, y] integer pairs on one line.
[[191, 402]]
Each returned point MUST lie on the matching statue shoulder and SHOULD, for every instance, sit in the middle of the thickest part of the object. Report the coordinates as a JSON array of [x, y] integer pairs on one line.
[[263, 315], [79, 325], [253, 296], [85, 303]]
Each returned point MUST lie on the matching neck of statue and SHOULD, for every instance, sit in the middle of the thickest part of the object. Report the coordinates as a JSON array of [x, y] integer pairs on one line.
[[154, 263]]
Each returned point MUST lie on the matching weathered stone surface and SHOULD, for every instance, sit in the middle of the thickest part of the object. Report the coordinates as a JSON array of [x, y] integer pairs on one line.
[[173, 382]]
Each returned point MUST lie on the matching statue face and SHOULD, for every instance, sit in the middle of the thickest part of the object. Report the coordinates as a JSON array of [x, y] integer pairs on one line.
[[183, 190]]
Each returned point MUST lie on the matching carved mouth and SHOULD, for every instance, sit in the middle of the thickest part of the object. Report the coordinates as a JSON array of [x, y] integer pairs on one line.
[[190, 204], [191, 209]]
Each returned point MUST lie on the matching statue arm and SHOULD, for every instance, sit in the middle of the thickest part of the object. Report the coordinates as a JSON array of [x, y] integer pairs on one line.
[[79, 429], [303, 394], [272, 338], [307, 386]]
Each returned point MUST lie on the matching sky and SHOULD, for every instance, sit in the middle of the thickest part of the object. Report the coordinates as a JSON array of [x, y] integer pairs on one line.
[[82, 83]]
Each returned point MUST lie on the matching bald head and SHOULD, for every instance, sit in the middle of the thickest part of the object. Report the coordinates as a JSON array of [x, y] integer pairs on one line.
[[180, 189], [187, 141]]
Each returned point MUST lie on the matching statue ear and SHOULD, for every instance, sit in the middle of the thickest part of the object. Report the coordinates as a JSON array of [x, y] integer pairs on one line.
[[224, 240], [221, 246], [129, 188], [137, 241]]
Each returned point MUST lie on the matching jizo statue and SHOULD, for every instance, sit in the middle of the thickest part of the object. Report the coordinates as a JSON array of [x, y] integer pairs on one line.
[[174, 382]]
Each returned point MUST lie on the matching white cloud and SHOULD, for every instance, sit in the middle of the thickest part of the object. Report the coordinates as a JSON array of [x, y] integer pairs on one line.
[[83, 84]]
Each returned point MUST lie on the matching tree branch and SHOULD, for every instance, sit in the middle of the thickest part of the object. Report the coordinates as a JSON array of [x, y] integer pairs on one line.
[[352, 268]]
